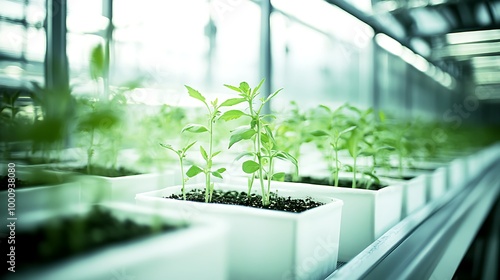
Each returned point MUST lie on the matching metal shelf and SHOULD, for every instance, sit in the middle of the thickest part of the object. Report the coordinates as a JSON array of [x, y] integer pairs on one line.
[[430, 243]]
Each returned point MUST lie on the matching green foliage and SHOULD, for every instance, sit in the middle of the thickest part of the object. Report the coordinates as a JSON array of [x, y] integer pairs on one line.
[[181, 154], [353, 130], [101, 123], [207, 154], [265, 149], [160, 126], [293, 131]]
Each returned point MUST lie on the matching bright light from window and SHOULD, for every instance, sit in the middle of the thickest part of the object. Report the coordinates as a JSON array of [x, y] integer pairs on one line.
[[326, 17], [473, 36], [389, 44]]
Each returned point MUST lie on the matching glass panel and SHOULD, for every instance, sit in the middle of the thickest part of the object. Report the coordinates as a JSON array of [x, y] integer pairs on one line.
[[12, 9], [317, 67], [12, 39]]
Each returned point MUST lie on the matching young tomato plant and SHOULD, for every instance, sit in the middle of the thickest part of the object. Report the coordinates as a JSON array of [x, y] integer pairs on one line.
[[292, 132], [265, 149], [213, 113], [335, 129], [182, 155]]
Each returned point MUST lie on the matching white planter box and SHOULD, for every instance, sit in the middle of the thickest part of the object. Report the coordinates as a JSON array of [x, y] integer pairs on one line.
[[366, 214], [414, 193], [437, 183], [267, 244], [30, 199], [123, 189], [196, 252], [458, 175]]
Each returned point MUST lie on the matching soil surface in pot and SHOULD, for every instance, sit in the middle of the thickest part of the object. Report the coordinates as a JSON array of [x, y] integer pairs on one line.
[[65, 237], [106, 172], [343, 183], [279, 203], [4, 183]]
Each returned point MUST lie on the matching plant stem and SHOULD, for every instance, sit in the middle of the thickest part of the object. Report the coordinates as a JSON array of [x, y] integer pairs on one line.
[[182, 177], [354, 170], [208, 184], [261, 173], [90, 152], [270, 174], [296, 151], [336, 168], [400, 165]]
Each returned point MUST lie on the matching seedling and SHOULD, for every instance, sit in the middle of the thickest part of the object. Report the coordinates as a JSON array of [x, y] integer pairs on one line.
[[265, 149], [335, 132], [213, 113], [293, 132], [181, 154]]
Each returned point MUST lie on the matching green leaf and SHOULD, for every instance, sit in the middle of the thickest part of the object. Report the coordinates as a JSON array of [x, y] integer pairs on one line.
[[232, 101], [353, 143], [195, 94], [272, 95], [318, 133], [217, 174], [324, 107], [168, 146], [221, 170], [382, 116], [231, 115], [257, 88], [97, 62], [280, 176], [203, 153], [243, 133], [347, 130], [250, 166], [233, 88], [189, 146], [193, 171], [244, 87], [288, 157], [215, 154], [195, 128], [373, 176], [244, 155]]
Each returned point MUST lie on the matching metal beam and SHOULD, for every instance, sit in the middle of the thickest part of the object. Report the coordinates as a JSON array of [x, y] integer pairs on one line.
[[265, 49], [56, 60]]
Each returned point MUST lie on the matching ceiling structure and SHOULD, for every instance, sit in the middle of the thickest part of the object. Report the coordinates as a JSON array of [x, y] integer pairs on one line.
[[462, 37]]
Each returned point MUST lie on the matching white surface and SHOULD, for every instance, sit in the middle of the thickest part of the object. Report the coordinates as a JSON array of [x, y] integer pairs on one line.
[[265, 244], [437, 183], [458, 174], [196, 252]]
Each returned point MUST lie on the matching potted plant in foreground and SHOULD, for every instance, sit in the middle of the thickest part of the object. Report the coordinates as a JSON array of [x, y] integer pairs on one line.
[[279, 244], [116, 240]]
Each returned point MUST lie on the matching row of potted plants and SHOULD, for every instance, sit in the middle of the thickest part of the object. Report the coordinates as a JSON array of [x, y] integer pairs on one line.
[[335, 221]]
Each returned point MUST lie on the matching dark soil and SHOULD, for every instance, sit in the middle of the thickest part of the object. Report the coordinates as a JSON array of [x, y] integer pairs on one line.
[[106, 172], [5, 182], [62, 238], [343, 183], [279, 203], [406, 178]]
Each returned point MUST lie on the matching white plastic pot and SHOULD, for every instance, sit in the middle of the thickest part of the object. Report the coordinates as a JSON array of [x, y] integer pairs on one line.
[[458, 175], [366, 214], [414, 192], [123, 189], [196, 252], [437, 183], [268, 244]]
